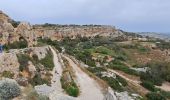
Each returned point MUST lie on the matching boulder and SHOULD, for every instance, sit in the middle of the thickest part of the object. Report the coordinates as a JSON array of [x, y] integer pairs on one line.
[[31, 69]]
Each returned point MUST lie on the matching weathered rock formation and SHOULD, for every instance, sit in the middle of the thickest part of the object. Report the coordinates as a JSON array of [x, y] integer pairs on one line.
[[9, 62], [31, 33]]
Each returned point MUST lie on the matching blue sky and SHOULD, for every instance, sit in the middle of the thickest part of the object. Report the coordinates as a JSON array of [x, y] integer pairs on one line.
[[129, 15]]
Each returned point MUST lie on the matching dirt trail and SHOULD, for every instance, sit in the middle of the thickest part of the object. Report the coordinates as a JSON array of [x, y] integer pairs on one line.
[[57, 72], [90, 90], [165, 86], [55, 87]]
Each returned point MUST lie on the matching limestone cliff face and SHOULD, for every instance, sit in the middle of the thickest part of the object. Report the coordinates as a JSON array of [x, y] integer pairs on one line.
[[9, 34], [58, 32]]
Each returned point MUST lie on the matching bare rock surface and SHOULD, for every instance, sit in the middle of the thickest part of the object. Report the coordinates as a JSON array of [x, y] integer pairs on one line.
[[9, 62]]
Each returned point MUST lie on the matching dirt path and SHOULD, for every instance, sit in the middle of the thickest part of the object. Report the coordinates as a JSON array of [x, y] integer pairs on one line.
[[165, 86], [57, 72], [55, 91], [90, 90]]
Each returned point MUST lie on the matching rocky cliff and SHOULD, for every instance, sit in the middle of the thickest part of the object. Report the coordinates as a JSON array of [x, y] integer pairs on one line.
[[9, 34]]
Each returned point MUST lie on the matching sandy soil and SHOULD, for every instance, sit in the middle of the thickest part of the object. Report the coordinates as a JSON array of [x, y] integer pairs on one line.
[[165, 86], [90, 90]]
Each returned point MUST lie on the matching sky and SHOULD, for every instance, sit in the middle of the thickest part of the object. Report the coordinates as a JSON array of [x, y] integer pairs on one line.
[[128, 15]]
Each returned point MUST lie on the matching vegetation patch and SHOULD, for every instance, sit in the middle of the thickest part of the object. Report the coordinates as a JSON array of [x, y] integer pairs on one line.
[[48, 61], [158, 73], [155, 96], [23, 60], [67, 80], [16, 45], [118, 65], [7, 74], [9, 89], [38, 80]]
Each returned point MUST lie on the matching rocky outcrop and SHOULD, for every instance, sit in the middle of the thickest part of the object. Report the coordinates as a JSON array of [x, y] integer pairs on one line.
[[57, 32], [31, 69], [9, 62], [110, 95], [113, 95]]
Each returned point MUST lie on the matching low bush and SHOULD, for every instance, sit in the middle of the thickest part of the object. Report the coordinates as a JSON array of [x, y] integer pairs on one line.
[[122, 80], [48, 61], [118, 65], [70, 87], [9, 89], [7, 74], [37, 80], [73, 91], [157, 73], [114, 84], [165, 94], [148, 85], [16, 45], [155, 96], [50, 42], [33, 95], [23, 60]]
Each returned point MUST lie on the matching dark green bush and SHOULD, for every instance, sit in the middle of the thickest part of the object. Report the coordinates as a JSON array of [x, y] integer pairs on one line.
[[118, 65], [122, 80], [72, 91], [158, 73], [37, 80], [148, 85], [114, 84], [165, 94], [70, 87], [16, 45], [23, 60], [155, 96], [48, 61], [50, 42]]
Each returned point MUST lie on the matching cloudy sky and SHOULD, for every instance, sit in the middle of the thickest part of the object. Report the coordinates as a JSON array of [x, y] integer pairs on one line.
[[129, 15]]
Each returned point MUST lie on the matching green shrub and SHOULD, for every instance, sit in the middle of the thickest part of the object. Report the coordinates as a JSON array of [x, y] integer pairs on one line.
[[163, 45], [23, 61], [9, 89], [156, 80], [72, 91], [118, 65], [14, 23], [113, 83], [7, 74], [155, 96], [48, 61], [122, 80], [148, 85], [50, 42], [37, 80], [157, 73], [17, 45], [165, 94], [70, 87]]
